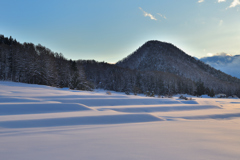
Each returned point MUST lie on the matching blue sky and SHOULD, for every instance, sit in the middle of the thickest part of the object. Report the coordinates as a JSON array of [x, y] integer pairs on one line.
[[110, 30]]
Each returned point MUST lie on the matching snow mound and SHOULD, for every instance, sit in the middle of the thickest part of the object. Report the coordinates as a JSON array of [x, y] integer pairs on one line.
[[15, 109], [86, 120], [165, 108]]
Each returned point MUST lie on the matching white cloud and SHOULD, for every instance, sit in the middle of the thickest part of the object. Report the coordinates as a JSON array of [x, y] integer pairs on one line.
[[147, 14], [162, 16], [210, 54], [234, 3], [222, 54]]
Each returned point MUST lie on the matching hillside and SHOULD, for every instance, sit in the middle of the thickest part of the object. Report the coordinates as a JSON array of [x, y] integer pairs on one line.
[[165, 57]]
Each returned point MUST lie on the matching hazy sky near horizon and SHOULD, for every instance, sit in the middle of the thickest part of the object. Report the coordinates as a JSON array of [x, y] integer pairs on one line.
[[109, 30]]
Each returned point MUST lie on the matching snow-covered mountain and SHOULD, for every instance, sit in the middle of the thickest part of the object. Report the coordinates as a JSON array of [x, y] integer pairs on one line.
[[161, 56], [224, 62]]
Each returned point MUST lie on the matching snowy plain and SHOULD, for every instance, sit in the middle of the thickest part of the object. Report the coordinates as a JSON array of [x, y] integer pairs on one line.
[[40, 122]]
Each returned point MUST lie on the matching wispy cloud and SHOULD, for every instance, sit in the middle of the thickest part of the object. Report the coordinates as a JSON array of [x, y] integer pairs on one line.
[[234, 3], [148, 14], [162, 16], [220, 22]]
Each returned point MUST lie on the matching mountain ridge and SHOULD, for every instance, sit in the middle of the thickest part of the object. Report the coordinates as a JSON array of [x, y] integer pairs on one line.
[[162, 56]]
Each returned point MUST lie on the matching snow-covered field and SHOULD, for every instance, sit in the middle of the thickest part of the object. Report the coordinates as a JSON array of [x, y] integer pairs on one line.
[[41, 122]]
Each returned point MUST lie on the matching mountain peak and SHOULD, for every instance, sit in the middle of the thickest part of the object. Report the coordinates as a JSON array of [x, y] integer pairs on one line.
[[165, 57], [152, 52], [154, 43]]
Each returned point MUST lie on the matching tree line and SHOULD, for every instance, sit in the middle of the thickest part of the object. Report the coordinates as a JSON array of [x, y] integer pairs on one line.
[[36, 64]]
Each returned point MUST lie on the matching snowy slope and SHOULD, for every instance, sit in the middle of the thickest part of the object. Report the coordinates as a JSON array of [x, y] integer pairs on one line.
[[40, 122]]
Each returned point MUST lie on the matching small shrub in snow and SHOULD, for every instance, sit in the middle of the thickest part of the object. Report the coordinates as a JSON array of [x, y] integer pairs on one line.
[[152, 94], [127, 92], [221, 95], [136, 90], [183, 97], [234, 96], [108, 92], [147, 93], [168, 96]]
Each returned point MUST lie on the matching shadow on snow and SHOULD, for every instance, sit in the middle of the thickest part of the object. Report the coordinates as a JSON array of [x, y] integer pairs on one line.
[[16, 109], [88, 120]]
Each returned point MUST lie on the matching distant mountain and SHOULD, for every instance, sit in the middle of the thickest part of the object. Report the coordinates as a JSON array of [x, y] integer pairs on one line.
[[220, 59], [224, 62], [165, 57]]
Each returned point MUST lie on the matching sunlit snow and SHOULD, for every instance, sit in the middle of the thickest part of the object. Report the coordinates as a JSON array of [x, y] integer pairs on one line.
[[40, 122]]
